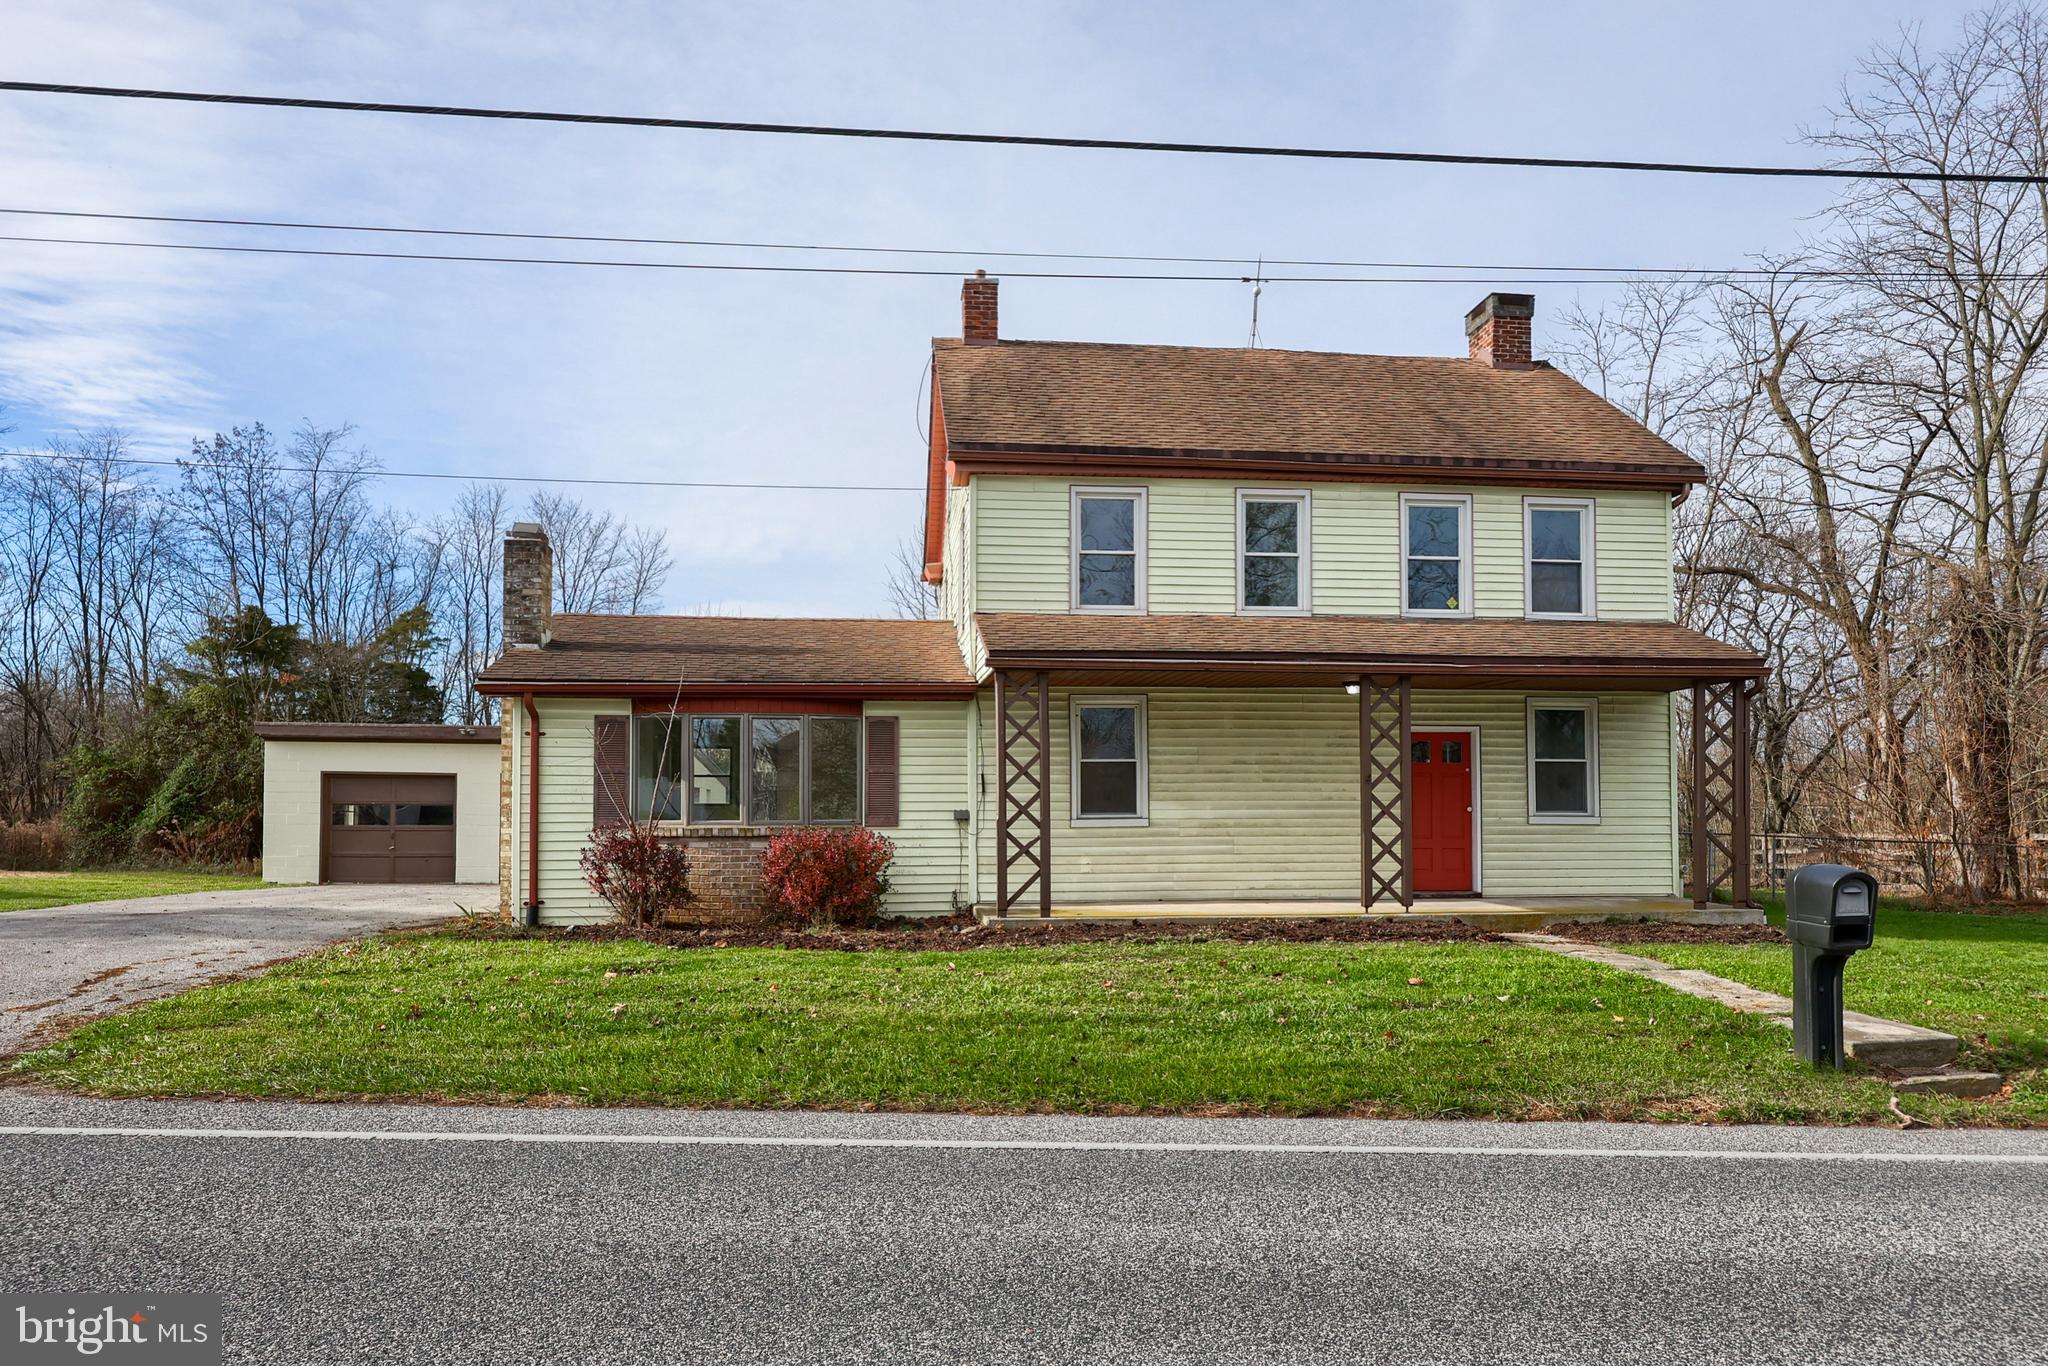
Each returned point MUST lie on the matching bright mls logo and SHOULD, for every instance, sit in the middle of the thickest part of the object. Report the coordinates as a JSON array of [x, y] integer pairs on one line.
[[165, 1330]]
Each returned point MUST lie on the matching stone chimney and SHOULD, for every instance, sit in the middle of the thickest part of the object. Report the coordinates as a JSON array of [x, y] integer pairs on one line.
[[529, 587], [978, 309], [1497, 330]]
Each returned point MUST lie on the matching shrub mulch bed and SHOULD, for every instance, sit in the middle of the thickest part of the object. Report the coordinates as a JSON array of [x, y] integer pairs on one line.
[[956, 932]]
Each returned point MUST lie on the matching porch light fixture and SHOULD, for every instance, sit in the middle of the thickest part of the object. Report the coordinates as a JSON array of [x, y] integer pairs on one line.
[[1351, 689]]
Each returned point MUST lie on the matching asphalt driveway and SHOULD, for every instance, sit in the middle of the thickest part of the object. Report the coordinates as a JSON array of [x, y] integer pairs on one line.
[[63, 961]]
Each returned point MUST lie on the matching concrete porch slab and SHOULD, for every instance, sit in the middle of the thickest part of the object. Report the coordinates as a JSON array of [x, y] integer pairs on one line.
[[1501, 913]]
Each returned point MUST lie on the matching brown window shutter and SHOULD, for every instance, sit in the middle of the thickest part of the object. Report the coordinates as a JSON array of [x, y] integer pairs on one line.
[[883, 783], [611, 776]]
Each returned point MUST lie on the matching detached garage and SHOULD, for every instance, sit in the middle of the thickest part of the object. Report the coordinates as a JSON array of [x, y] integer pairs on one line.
[[379, 803]]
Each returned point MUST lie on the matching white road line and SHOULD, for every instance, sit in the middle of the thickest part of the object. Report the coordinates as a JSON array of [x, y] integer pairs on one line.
[[1012, 1144]]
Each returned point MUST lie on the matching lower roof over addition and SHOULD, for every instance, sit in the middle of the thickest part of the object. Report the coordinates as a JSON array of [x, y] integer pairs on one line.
[[1287, 649], [597, 653], [377, 732]]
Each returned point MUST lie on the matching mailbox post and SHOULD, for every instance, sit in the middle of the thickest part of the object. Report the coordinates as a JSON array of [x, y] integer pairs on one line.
[[1830, 913]]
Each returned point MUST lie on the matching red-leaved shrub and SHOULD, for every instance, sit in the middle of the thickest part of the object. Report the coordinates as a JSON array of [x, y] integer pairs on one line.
[[641, 877], [828, 875]]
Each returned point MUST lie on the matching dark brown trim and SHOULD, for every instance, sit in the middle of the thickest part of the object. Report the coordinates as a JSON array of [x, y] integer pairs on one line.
[[969, 458], [1700, 890], [377, 733], [1405, 757], [1346, 666], [872, 692]]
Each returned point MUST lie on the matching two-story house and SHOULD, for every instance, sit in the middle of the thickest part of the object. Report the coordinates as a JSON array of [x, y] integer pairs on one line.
[[1226, 629]]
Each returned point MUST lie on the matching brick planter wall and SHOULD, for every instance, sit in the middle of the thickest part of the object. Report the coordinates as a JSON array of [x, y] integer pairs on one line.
[[725, 875]]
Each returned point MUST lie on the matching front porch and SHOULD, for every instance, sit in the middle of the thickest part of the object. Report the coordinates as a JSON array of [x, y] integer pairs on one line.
[[1499, 913], [1266, 783]]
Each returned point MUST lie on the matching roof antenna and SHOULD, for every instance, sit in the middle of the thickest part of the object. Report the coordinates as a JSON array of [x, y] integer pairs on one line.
[[1258, 283]]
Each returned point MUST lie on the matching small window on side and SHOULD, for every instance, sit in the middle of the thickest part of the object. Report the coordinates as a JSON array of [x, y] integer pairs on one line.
[[1564, 768]]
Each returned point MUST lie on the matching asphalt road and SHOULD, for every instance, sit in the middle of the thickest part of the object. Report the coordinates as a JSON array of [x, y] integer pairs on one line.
[[66, 961], [417, 1234]]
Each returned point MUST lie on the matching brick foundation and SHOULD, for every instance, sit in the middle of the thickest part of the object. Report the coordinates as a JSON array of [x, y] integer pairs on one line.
[[725, 875]]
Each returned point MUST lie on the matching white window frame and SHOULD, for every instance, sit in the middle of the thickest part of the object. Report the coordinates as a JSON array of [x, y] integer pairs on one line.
[[1587, 543], [1074, 705], [1139, 524], [1303, 582], [1591, 707], [1463, 503]]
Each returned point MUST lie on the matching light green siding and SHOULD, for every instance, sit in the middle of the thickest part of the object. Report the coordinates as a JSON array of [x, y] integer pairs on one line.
[[565, 806], [957, 584], [1254, 795], [1019, 547], [934, 854]]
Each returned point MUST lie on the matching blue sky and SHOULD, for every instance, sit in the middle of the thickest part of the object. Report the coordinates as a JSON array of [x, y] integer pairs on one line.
[[532, 370]]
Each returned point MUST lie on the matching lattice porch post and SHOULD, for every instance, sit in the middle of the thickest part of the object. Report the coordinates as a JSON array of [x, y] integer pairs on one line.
[[1023, 789], [1720, 790], [1386, 815]]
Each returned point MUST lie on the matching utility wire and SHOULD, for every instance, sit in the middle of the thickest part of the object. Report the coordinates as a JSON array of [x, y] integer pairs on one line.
[[918, 272], [1719, 272], [471, 478], [1018, 139]]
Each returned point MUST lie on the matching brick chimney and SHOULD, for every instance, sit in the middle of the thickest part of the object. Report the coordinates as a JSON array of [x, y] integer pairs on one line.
[[978, 309], [1497, 330], [529, 587]]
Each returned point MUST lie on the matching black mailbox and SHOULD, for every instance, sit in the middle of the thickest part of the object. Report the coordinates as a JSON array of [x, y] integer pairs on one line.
[[1830, 913]]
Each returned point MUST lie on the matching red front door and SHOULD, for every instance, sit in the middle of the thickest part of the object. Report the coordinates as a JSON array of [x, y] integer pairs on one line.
[[1440, 768]]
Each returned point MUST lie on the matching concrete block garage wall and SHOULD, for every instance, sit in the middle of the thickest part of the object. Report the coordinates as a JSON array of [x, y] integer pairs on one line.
[[293, 816]]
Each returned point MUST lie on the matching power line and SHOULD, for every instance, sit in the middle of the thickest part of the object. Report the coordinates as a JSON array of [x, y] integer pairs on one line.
[[473, 478], [1018, 139], [747, 267], [1715, 272], [758, 268]]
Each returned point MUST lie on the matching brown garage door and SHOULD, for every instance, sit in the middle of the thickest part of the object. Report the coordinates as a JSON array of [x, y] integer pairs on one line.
[[384, 827]]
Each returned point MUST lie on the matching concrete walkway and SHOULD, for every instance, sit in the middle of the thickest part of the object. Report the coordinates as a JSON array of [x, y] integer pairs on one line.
[[1882, 1043], [62, 961]]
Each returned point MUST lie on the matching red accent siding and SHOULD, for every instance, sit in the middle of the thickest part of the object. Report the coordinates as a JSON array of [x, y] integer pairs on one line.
[[938, 474], [748, 702]]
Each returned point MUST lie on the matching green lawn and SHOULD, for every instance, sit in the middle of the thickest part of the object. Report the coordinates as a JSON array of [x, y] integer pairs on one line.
[[1983, 978], [22, 891], [1486, 1030]]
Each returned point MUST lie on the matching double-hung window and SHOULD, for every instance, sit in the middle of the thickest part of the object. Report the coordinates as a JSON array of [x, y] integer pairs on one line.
[[1107, 532], [1564, 760], [1558, 534], [1272, 545], [1109, 761], [763, 770], [1436, 555]]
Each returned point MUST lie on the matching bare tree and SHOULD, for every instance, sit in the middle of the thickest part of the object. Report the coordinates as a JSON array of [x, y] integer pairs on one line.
[[910, 596]]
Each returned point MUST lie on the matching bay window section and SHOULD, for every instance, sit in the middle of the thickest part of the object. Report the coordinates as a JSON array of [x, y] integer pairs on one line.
[[1108, 537], [776, 790], [714, 768], [751, 770], [1436, 574], [1559, 536], [1272, 537], [835, 768], [658, 769], [1564, 761], [1109, 762]]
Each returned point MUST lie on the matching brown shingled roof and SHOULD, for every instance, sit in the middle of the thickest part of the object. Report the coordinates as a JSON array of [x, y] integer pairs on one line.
[[1347, 410], [390, 732], [736, 650], [1369, 643]]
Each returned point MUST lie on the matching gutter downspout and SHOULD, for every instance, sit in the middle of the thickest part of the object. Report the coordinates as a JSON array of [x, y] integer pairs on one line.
[[533, 733]]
